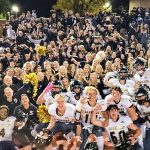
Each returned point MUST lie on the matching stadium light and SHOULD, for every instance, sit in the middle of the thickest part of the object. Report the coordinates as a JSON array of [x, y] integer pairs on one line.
[[15, 9], [107, 5]]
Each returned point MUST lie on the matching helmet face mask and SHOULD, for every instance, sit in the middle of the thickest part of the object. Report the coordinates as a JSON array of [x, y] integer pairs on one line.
[[123, 73], [77, 89], [122, 76], [56, 90], [76, 86], [139, 64]]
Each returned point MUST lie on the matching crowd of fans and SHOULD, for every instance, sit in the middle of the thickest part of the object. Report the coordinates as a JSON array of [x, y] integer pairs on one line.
[[77, 68]]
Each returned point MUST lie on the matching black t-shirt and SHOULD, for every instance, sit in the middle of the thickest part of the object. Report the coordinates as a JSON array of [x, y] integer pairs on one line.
[[3, 86], [11, 105], [28, 115]]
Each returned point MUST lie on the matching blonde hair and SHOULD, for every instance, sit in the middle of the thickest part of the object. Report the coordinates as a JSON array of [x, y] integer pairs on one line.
[[58, 96], [18, 70], [148, 63], [77, 77], [89, 88], [88, 66], [101, 56], [31, 66], [94, 64], [108, 66], [62, 68], [101, 68], [94, 83]]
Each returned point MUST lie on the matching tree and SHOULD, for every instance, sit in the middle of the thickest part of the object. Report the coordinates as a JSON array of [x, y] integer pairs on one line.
[[81, 6], [4, 6]]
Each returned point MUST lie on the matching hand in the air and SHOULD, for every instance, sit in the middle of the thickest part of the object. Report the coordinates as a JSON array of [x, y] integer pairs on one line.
[[48, 88], [84, 100], [97, 107]]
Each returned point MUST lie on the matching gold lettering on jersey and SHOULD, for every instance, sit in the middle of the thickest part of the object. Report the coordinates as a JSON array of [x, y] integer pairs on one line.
[[114, 128], [87, 112], [65, 121]]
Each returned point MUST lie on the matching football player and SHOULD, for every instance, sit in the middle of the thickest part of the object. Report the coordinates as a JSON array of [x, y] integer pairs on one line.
[[7, 125], [126, 107], [126, 84], [62, 119], [47, 98], [84, 110], [117, 129], [141, 73], [124, 102], [76, 92], [142, 97]]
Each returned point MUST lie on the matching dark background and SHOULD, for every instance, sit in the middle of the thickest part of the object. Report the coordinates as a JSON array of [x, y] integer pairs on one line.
[[43, 6], [119, 4]]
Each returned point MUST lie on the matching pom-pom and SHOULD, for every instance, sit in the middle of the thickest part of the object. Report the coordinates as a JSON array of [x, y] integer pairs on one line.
[[42, 114], [33, 79]]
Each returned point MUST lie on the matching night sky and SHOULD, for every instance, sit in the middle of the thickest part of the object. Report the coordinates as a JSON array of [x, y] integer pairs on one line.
[[41, 6]]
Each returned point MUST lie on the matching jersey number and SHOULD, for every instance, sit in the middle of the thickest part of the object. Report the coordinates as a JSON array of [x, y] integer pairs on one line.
[[87, 118], [122, 137]]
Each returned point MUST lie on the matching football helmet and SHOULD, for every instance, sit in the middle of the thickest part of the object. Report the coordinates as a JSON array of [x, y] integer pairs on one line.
[[57, 87], [57, 83], [123, 73], [91, 143], [91, 146], [41, 141], [139, 64], [76, 84]]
